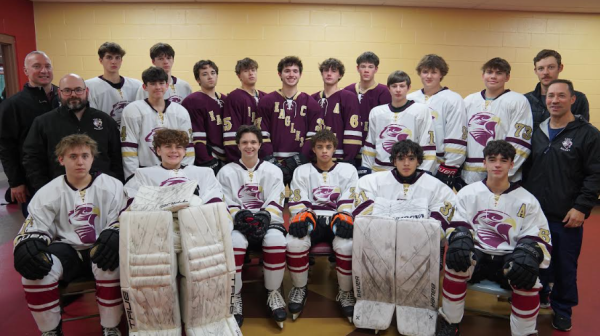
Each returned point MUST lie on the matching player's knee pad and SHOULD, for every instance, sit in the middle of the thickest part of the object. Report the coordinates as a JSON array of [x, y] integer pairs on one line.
[[207, 262], [238, 240], [148, 271], [274, 237], [296, 245], [342, 246]]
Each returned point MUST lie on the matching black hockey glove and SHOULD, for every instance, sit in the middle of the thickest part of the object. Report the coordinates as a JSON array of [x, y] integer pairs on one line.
[[447, 174], [263, 217], [288, 165], [32, 259], [460, 249], [522, 267], [302, 223], [105, 252], [342, 225], [459, 183], [363, 171], [243, 220], [214, 164]]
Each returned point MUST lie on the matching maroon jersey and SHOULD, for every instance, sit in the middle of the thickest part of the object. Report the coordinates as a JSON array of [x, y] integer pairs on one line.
[[205, 115], [374, 96], [288, 124], [342, 116], [240, 109]]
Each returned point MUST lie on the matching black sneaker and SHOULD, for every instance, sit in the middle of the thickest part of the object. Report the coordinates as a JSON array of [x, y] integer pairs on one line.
[[445, 328], [561, 323]]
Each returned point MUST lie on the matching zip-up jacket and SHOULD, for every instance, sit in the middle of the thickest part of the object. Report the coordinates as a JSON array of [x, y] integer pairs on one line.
[[41, 164], [540, 110], [565, 173], [16, 116]]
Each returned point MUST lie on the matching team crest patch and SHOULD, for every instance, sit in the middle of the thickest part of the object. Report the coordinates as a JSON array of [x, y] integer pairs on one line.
[[566, 144], [98, 124]]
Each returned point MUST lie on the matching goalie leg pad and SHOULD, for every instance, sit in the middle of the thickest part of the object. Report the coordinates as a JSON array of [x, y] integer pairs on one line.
[[240, 245], [42, 297], [374, 248], [343, 262], [208, 265], [108, 296], [274, 246], [297, 259], [417, 275], [148, 270]]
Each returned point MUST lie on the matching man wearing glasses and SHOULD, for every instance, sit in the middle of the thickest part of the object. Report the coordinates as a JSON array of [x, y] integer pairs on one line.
[[74, 116]]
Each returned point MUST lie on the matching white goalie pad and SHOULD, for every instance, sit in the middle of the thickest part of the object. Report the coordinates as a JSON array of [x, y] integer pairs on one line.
[[208, 265], [148, 270], [168, 198], [373, 257], [417, 276]]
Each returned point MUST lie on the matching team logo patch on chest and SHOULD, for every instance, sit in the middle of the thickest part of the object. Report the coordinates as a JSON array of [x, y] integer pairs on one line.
[[326, 195], [83, 219], [393, 133], [250, 195], [150, 138], [494, 227], [482, 127], [117, 109], [567, 144], [173, 181], [97, 124]]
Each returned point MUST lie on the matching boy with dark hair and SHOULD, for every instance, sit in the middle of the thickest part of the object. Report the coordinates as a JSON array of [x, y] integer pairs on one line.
[[449, 117], [288, 118], [111, 92], [163, 56], [498, 233], [254, 193], [72, 230], [144, 117], [399, 120], [205, 108], [547, 65], [320, 206], [340, 110], [495, 113]]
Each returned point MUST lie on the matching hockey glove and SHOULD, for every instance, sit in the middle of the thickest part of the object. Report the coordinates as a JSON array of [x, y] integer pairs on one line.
[[105, 252], [290, 164], [460, 249], [342, 225], [32, 259], [263, 217], [446, 174], [522, 267], [363, 171], [214, 164], [243, 221], [302, 223], [459, 183]]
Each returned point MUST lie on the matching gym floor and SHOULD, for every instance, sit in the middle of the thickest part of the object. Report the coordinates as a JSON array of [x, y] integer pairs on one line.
[[321, 315]]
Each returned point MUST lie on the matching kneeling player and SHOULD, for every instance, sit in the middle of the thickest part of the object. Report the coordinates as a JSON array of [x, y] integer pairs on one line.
[[254, 193], [72, 231], [320, 192], [498, 233]]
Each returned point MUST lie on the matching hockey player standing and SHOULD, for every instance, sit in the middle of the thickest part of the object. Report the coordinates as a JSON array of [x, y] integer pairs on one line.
[[205, 108], [144, 117], [449, 117], [288, 118], [401, 119], [254, 193], [72, 230], [111, 92], [241, 106], [498, 233], [495, 113], [163, 56], [320, 205], [341, 112]]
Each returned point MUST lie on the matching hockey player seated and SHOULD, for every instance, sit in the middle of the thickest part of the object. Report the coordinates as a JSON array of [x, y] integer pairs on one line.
[[320, 205], [498, 233], [72, 230], [254, 193]]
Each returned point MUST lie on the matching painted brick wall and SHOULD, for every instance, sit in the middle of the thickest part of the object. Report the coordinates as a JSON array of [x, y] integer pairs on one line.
[[16, 19], [71, 34]]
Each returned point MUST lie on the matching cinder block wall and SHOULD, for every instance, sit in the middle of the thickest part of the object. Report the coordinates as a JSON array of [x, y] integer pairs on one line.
[[71, 33]]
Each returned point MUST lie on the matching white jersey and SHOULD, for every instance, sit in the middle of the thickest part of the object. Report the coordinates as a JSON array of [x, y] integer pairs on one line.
[[254, 189], [413, 121], [507, 117], [449, 124], [208, 189], [500, 221], [112, 98], [325, 192], [140, 121], [60, 213], [176, 93], [388, 194]]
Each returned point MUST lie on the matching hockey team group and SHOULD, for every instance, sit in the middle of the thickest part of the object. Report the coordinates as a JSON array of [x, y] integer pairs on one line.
[[159, 192]]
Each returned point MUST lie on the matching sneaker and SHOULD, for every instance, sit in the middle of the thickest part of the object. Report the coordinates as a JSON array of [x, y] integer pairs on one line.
[[561, 323], [544, 300], [54, 332], [111, 331], [237, 309], [447, 329]]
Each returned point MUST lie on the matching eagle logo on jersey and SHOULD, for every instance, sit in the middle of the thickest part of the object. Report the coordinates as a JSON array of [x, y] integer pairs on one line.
[[393, 133], [173, 181], [150, 138], [250, 195], [175, 99], [117, 110], [482, 127], [326, 196], [494, 227], [84, 218]]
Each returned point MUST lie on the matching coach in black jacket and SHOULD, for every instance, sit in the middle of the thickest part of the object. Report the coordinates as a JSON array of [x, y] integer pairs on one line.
[[564, 175], [74, 116]]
